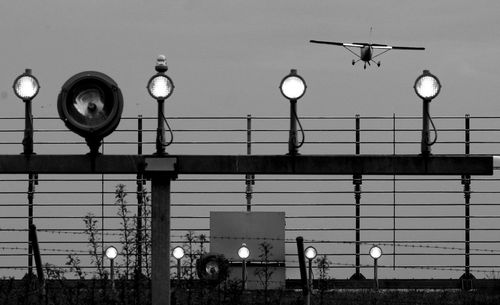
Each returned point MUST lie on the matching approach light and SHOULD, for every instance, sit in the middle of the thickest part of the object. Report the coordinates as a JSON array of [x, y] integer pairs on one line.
[[427, 86], [243, 251], [293, 86], [26, 86], [178, 252], [310, 253], [160, 87], [90, 104], [375, 252], [111, 252]]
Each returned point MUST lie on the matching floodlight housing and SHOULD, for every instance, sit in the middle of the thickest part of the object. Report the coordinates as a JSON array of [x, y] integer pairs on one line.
[[90, 104], [178, 252], [427, 86], [293, 86], [310, 253], [243, 251], [111, 252], [26, 86], [212, 268], [375, 252]]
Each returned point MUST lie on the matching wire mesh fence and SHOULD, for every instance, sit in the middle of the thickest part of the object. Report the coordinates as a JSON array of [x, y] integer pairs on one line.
[[420, 222]]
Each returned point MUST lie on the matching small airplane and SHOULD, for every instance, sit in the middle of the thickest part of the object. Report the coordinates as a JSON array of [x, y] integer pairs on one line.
[[366, 49]]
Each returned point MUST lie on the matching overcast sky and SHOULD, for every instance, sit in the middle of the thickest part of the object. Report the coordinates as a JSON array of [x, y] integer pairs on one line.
[[227, 57]]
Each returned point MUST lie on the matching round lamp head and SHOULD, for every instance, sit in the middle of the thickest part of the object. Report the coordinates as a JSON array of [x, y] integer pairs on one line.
[[160, 86], [310, 253], [26, 86], [293, 86], [243, 252], [375, 252], [178, 252], [427, 86], [90, 104], [111, 252]]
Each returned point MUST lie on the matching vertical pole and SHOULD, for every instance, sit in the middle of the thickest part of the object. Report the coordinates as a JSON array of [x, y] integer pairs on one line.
[[357, 181], [302, 267], [467, 194], [139, 200], [310, 279], [292, 140], [393, 193], [31, 191], [249, 177], [28, 128], [244, 274], [160, 130], [375, 273], [425, 147], [112, 273], [160, 227]]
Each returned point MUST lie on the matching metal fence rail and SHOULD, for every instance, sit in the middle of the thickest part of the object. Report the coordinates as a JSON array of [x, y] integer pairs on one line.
[[427, 226]]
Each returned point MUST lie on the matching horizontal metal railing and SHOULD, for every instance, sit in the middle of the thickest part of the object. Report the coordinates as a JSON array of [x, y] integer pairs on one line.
[[418, 221]]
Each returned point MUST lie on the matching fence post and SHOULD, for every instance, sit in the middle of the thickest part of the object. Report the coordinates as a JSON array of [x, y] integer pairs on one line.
[[357, 181], [466, 181]]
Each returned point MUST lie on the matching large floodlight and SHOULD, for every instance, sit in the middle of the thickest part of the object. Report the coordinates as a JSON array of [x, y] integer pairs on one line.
[[91, 104], [427, 86]]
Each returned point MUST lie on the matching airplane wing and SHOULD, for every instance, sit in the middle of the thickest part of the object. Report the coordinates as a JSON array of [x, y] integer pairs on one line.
[[387, 47], [342, 44]]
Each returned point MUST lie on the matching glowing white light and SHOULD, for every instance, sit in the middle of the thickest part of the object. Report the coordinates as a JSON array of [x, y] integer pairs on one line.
[[243, 252], [26, 87], [160, 87], [178, 252], [375, 252], [310, 252], [111, 252], [293, 87], [427, 86]]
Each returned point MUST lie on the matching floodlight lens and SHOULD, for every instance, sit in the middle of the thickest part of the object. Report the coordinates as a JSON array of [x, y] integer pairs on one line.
[[160, 87], [310, 252], [26, 87], [375, 252], [244, 252], [212, 268], [293, 87], [111, 252], [178, 252], [427, 86]]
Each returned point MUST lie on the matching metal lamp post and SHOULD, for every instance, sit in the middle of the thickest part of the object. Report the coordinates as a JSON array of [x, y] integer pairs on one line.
[[293, 88], [111, 254], [26, 87], [375, 253], [427, 87], [178, 254], [243, 253], [160, 87], [310, 253]]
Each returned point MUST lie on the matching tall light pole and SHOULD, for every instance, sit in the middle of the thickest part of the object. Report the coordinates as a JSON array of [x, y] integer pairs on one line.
[[310, 253], [375, 253], [427, 87], [26, 87], [293, 88], [243, 253], [111, 254], [178, 254], [160, 87]]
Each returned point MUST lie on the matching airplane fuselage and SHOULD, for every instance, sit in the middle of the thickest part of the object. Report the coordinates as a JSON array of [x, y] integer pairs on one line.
[[366, 53]]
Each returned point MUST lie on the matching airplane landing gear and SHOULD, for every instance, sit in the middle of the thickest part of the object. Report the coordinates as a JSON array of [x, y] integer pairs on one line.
[[353, 62], [378, 64]]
